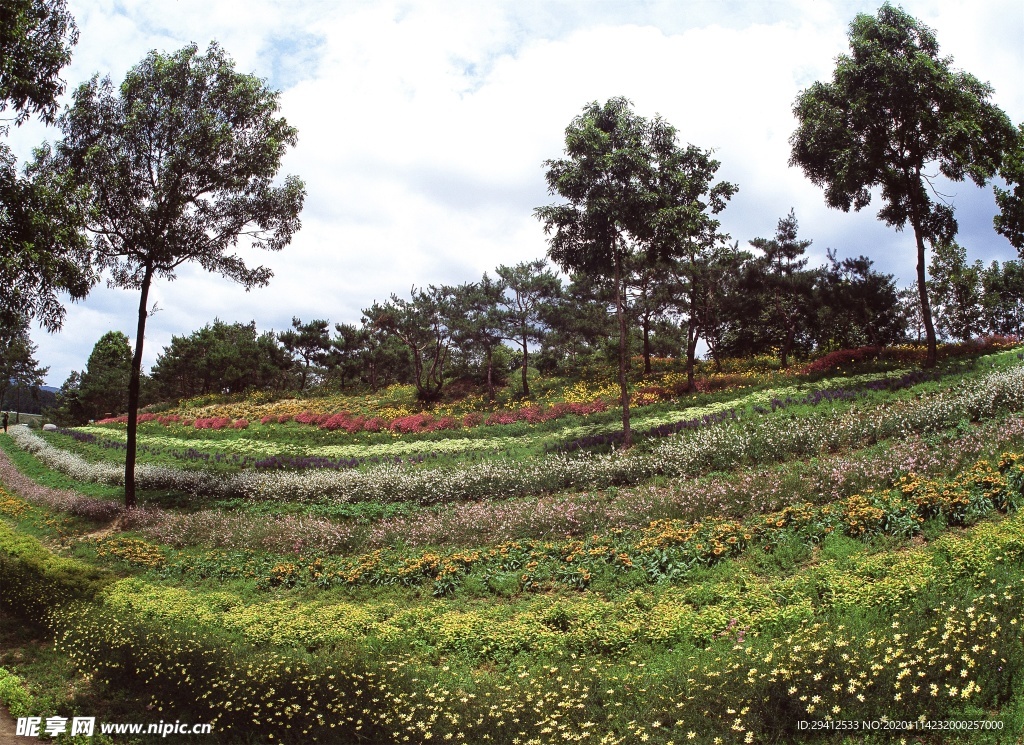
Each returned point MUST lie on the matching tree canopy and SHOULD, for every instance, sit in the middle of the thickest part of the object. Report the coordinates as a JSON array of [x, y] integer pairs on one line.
[[1010, 220], [427, 324], [41, 252], [103, 387], [893, 110], [36, 37], [221, 358], [634, 199], [18, 365], [178, 165], [529, 288], [309, 345], [607, 182]]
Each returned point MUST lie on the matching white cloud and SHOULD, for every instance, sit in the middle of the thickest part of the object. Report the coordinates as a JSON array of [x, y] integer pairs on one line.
[[423, 125]]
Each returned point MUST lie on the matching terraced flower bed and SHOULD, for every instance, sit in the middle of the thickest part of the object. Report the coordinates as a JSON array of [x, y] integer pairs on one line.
[[850, 551]]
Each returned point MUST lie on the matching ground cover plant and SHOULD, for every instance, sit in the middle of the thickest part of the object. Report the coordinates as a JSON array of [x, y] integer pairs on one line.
[[233, 434], [853, 558], [714, 443]]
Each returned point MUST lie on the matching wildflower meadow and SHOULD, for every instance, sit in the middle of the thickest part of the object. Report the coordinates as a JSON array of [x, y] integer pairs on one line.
[[779, 558]]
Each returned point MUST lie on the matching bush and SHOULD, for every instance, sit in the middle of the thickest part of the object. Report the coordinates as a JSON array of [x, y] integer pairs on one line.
[[200, 672], [13, 694], [835, 360], [34, 580]]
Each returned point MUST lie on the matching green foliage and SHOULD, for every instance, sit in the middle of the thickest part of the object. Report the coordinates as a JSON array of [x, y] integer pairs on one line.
[[104, 384], [219, 144], [955, 288], [13, 694], [426, 325], [637, 205], [41, 251], [35, 579], [1010, 220], [308, 344], [1002, 297], [35, 43], [893, 107], [857, 306], [780, 311], [531, 291], [220, 358], [18, 366]]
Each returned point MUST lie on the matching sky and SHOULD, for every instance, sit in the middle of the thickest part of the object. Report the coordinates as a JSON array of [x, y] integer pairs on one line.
[[423, 128]]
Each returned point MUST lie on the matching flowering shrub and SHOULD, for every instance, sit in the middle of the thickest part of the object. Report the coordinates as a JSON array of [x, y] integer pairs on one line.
[[722, 381], [225, 655], [664, 550], [129, 550], [343, 421], [834, 360], [217, 422], [412, 423], [143, 417], [722, 445], [916, 353]]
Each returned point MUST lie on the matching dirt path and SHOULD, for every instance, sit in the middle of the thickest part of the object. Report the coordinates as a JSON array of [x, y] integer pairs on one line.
[[8, 727]]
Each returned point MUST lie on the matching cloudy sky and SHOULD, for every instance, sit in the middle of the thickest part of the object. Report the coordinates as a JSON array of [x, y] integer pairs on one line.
[[423, 127]]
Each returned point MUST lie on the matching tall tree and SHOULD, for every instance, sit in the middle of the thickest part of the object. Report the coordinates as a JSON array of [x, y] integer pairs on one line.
[[177, 166], [717, 307], [309, 344], [382, 358], [426, 325], [347, 356], [481, 328], [856, 305], [221, 358], [577, 323], [69, 410], [103, 388], [1010, 220], [910, 312], [530, 288], [955, 286], [1002, 297], [36, 37], [650, 298], [687, 236], [786, 285], [18, 366], [894, 109], [42, 254], [607, 179]]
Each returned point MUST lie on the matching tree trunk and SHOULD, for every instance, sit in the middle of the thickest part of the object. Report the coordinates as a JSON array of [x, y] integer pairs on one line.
[[691, 355], [787, 345], [526, 385], [926, 310], [490, 377], [713, 348], [133, 395], [647, 345], [691, 336], [922, 286], [627, 436]]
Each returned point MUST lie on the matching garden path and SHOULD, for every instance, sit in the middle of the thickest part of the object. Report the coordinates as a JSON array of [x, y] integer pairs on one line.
[[8, 728]]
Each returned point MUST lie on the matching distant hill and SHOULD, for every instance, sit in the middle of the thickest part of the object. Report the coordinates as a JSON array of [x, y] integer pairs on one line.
[[45, 397]]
